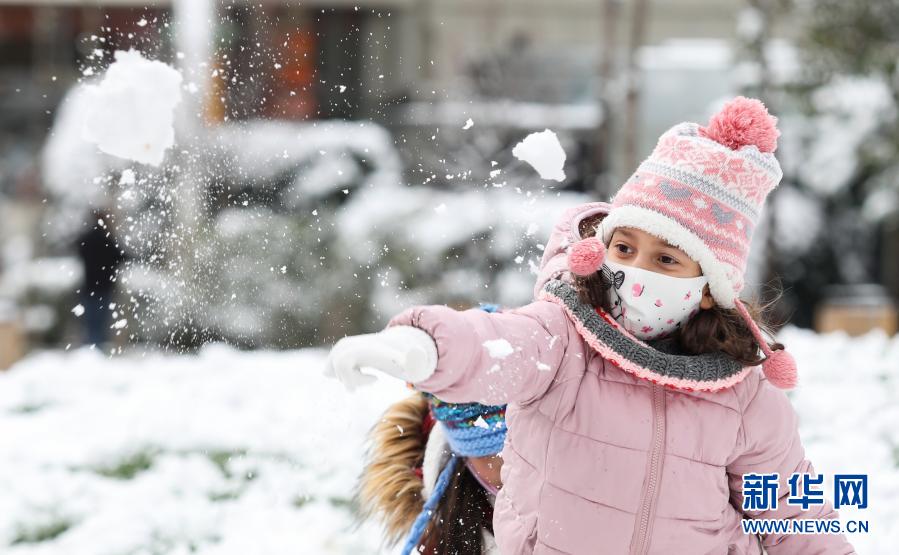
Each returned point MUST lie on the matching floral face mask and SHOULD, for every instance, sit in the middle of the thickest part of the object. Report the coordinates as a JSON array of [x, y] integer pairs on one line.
[[651, 305]]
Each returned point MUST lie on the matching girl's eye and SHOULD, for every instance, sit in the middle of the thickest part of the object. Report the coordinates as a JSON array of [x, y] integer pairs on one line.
[[665, 259], [623, 249]]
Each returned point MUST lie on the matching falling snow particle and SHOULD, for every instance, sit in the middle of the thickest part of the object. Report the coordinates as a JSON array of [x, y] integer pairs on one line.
[[498, 348], [127, 177], [78, 310], [441, 208], [468, 123]]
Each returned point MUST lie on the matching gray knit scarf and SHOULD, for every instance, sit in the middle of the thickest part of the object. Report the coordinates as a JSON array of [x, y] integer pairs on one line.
[[656, 361]]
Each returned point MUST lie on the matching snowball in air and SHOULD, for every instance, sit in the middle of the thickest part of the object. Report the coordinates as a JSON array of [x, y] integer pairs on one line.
[[544, 153], [130, 114]]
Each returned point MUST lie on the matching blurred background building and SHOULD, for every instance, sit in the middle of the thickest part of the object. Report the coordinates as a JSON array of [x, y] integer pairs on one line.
[[312, 114]]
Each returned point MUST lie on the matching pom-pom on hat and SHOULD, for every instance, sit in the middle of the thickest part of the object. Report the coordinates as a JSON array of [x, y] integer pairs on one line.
[[743, 121], [586, 256]]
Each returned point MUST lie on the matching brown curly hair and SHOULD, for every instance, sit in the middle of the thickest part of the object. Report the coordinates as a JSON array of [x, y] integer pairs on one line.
[[716, 329]]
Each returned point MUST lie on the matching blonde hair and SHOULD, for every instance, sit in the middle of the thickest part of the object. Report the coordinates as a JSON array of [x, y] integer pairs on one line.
[[388, 489]]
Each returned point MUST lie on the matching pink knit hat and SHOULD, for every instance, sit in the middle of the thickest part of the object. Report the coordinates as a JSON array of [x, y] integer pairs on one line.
[[702, 190]]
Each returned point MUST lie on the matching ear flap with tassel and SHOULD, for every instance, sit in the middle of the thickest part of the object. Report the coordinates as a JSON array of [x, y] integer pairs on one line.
[[779, 366]]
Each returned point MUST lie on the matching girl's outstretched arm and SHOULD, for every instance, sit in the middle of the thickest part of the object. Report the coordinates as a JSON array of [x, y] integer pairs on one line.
[[493, 358], [769, 442]]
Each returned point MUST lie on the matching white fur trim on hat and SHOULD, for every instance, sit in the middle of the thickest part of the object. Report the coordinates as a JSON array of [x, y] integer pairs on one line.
[[437, 453], [721, 288]]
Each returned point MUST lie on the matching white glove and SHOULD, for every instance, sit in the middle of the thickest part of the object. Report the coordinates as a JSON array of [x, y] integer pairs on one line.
[[405, 352]]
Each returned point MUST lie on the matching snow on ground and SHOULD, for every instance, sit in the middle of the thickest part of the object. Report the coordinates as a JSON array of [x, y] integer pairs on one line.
[[848, 405], [224, 452], [256, 452]]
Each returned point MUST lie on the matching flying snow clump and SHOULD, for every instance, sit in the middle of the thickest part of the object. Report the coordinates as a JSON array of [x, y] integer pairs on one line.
[[130, 113], [544, 153]]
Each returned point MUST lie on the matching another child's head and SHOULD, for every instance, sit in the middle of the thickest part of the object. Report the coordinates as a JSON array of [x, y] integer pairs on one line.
[[404, 459], [678, 235]]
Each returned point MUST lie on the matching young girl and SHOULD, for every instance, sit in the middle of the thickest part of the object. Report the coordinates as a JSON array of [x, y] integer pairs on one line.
[[639, 396]]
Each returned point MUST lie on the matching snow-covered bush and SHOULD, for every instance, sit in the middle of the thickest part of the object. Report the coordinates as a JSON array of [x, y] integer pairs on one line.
[[836, 93]]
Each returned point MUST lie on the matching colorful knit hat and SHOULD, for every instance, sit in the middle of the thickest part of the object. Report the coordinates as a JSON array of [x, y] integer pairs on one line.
[[702, 190], [472, 429]]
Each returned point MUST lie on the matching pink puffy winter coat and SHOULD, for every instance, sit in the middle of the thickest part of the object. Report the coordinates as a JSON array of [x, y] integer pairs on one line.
[[615, 446]]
